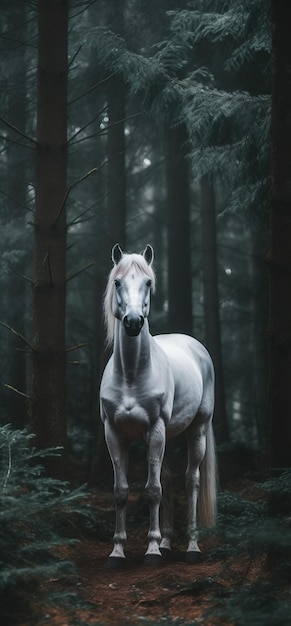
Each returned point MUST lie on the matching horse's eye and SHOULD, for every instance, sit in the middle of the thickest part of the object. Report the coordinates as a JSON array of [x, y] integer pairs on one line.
[[149, 283], [117, 283]]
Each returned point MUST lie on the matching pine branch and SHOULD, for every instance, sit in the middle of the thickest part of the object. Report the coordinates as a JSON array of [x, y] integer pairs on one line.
[[74, 57], [7, 195], [35, 513], [88, 124], [17, 130], [8, 468], [26, 278], [17, 143], [77, 220], [95, 86], [50, 269], [103, 130], [20, 393], [86, 7], [83, 269], [18, 334], [69, 189], [77, 347]]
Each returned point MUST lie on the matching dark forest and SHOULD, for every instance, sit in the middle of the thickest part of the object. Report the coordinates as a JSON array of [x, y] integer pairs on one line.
[[164, 123]]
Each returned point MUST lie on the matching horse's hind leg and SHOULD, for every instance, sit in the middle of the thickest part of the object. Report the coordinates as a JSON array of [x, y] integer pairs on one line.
[[196, 438], [167, 510], [118, 450]]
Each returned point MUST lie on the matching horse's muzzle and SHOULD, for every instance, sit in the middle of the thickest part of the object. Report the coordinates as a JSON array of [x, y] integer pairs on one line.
[[133, 324]]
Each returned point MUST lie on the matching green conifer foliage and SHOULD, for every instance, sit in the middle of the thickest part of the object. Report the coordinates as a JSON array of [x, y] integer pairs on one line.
[[226, 99], [34, 515], [250, 533]]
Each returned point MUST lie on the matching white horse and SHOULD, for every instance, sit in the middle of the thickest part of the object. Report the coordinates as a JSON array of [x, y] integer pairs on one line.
[[154, 388]]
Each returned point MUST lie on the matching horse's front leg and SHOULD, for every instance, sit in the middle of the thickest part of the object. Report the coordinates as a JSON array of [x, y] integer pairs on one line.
[[118, 450], [156, 449]]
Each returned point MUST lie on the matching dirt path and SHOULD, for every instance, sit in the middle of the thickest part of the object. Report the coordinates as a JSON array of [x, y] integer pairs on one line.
[[134, 594], [141, 591], [137, 594]]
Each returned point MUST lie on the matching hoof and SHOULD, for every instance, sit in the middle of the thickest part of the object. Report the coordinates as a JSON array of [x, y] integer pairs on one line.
[[116, 562], [153, 560], [193, 556], [167, 554]]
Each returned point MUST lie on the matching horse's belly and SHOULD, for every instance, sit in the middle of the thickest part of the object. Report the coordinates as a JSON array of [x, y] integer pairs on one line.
[[185, 407], [179, 422]]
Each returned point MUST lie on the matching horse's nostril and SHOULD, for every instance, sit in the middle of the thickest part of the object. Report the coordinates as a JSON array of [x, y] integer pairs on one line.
[[133, 323]]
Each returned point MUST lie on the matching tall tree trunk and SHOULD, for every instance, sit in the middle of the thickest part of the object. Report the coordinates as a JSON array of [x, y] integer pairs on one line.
[[279, 395], [17, 161], [116, 163], [116, 142], [48, 405], [179, 252], [259, 335], [116, 224], [116, 202], [211, 304]]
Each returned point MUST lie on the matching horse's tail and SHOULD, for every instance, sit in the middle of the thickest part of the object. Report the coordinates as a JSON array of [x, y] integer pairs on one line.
[[208, 483]]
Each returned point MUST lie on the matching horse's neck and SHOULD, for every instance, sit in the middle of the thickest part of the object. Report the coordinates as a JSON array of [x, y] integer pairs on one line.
[[131, 354]]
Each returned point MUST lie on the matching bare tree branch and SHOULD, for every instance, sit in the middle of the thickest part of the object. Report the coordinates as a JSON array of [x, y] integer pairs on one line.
[[77, 347], [17, 130], [18, 334], [26, 278], [20, 393], [88, 124], [85, 93], [69, 189], [74, 274], [17, 143]]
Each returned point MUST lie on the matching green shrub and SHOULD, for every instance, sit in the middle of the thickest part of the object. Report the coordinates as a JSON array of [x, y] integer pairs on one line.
[[35, 512]]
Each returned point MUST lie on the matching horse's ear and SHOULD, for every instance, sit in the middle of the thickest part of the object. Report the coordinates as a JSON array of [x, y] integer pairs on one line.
[[116, 254], [148, 254]]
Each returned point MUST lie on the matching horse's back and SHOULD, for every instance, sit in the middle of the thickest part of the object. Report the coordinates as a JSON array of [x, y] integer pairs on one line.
[[193, 373], [179, 346]]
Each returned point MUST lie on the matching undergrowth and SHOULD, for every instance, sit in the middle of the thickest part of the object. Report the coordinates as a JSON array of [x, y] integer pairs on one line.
[[250, 529], [38, 514]]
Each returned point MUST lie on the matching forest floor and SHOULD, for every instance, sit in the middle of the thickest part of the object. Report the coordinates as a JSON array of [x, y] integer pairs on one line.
[[173, 593]]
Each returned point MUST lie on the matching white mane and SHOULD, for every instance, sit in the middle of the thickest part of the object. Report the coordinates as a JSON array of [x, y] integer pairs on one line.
[[126, 262]]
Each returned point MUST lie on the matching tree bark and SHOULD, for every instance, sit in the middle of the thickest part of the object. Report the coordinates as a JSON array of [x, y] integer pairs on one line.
[[178, 217], [17, 161], [115, 230], [116, 163], [259, 336], [211, 304], [116, 94], [48, 405], [279, 328]]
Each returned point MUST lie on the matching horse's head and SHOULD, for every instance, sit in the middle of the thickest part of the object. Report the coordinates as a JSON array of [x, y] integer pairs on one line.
[[133, 280]]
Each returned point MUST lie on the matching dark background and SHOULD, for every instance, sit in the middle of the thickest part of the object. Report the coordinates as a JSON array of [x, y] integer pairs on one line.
[[157, 129]]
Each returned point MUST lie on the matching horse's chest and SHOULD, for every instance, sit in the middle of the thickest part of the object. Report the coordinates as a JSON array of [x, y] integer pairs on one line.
[[132, 414]]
